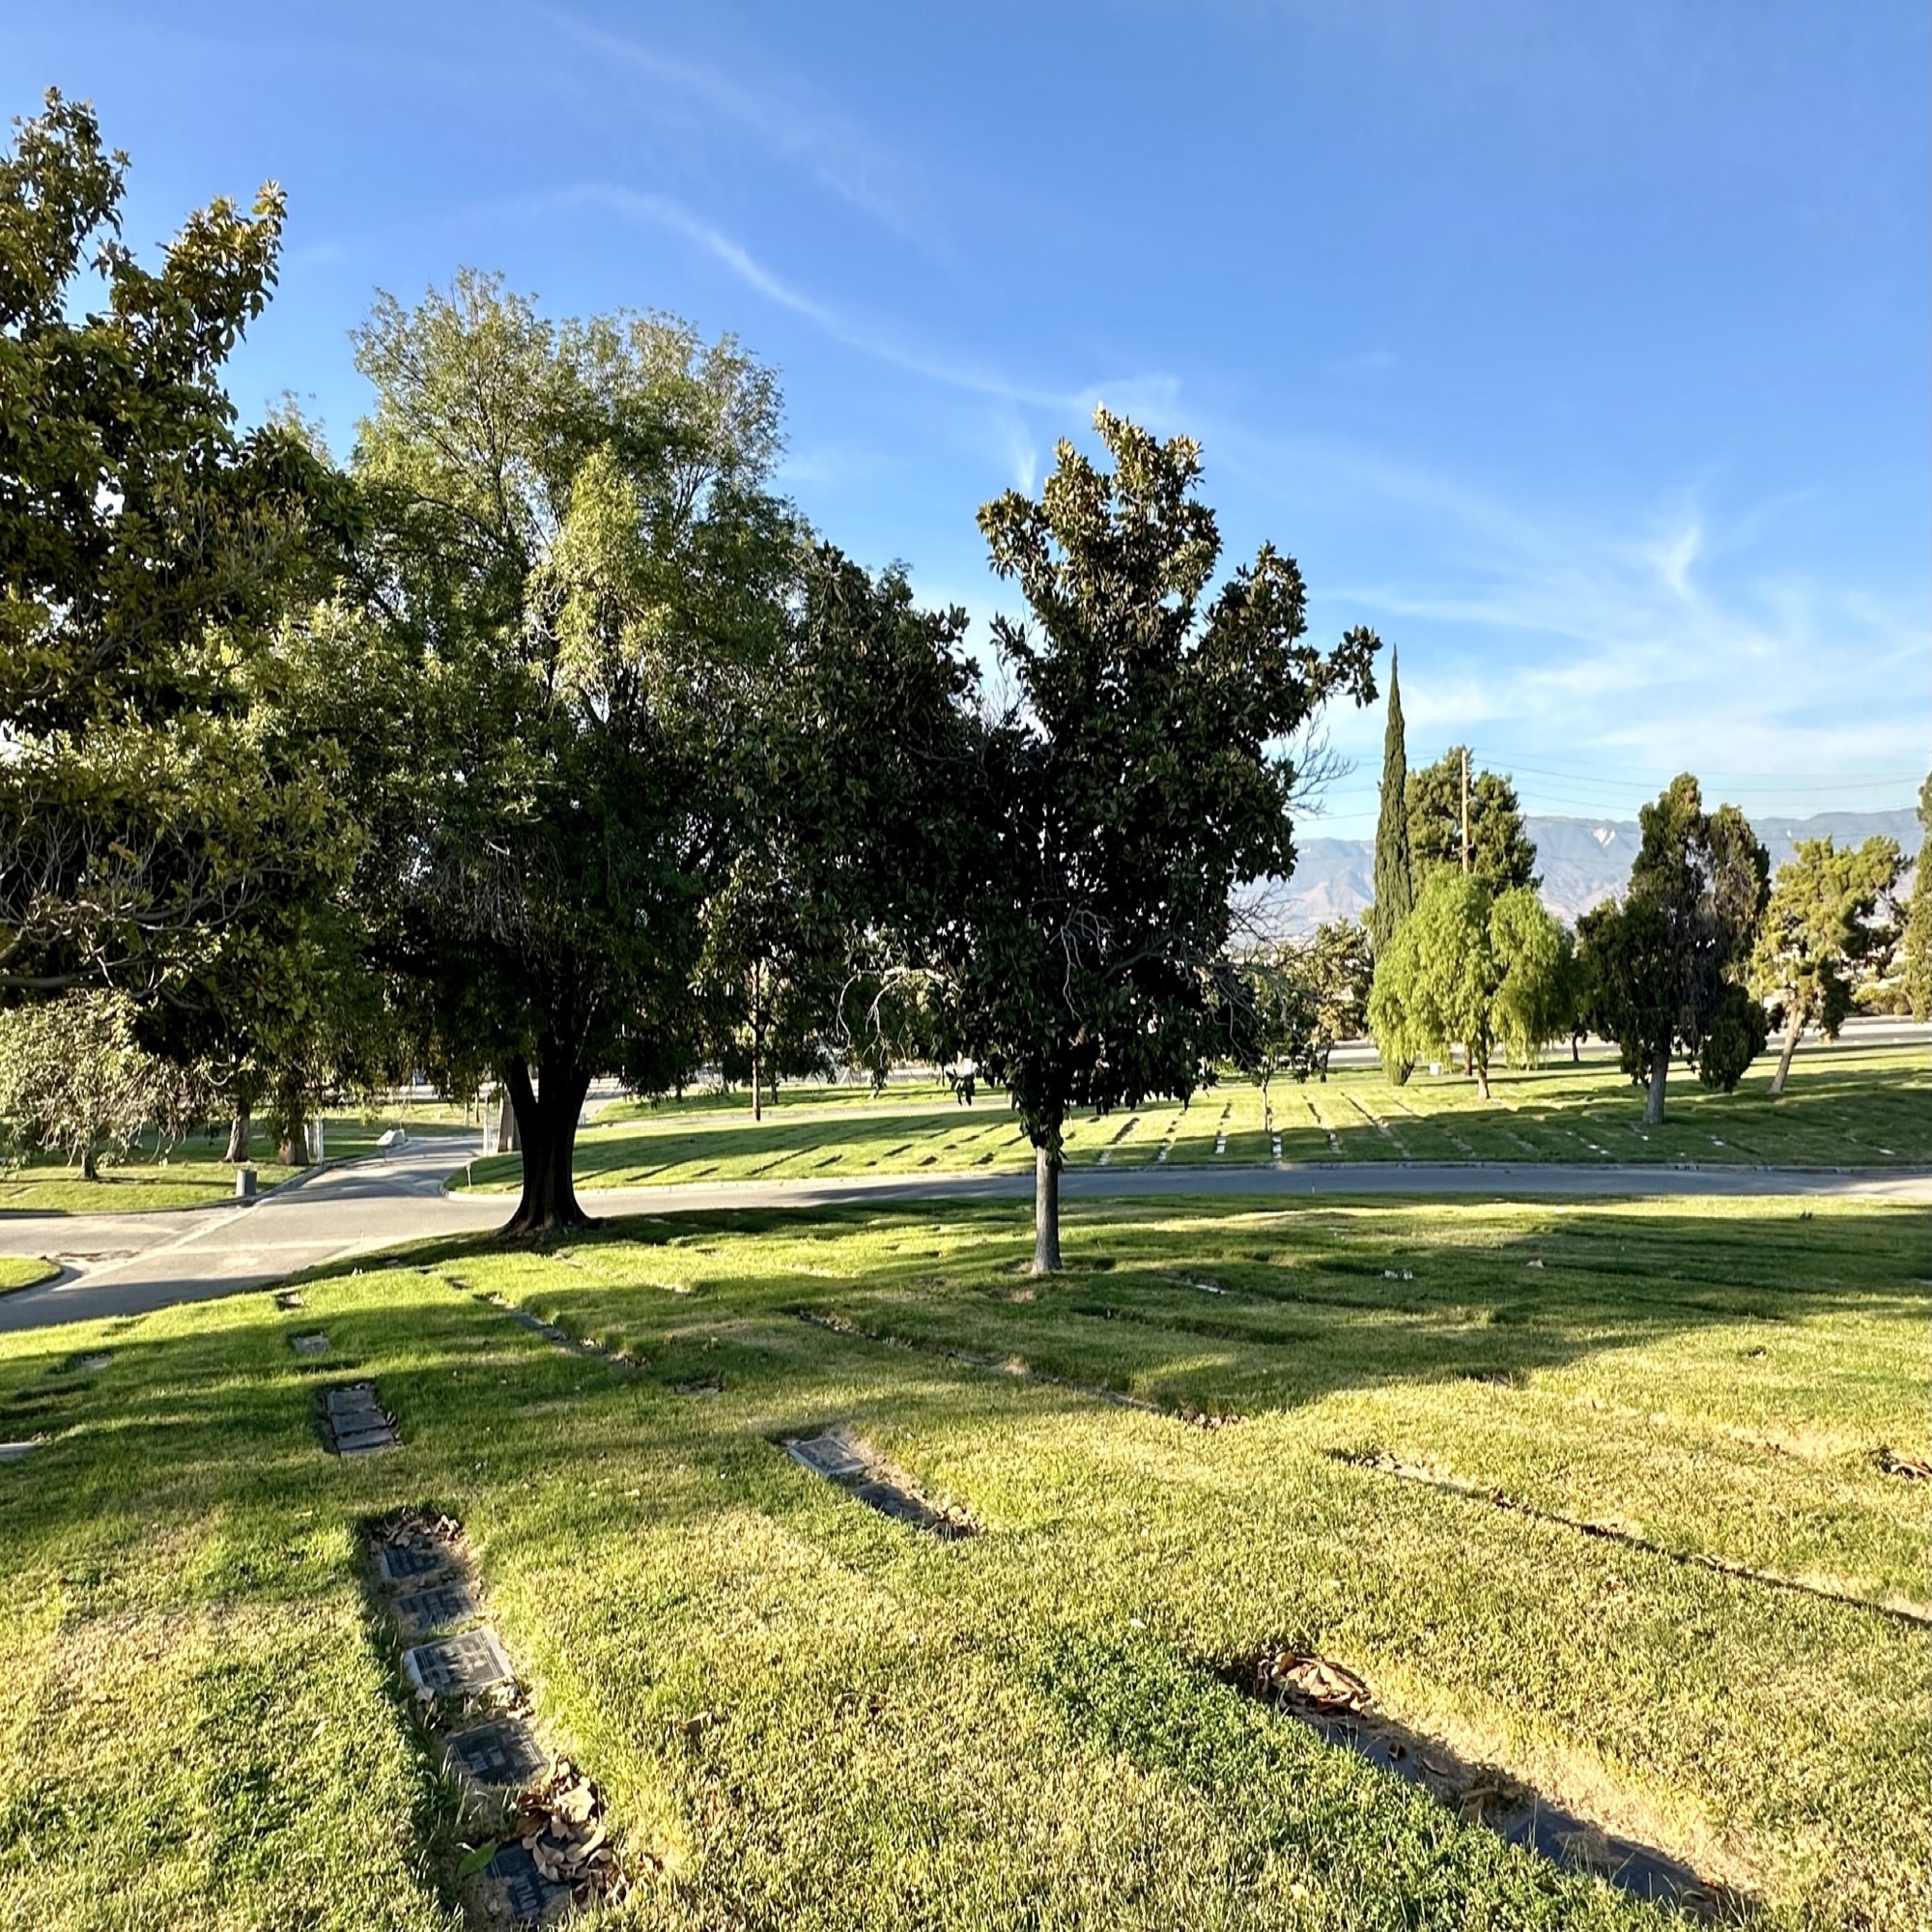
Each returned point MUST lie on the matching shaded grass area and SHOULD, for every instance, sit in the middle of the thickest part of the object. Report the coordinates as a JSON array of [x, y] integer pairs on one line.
[[823, 1718], [1843, 1107], [193, 1174]]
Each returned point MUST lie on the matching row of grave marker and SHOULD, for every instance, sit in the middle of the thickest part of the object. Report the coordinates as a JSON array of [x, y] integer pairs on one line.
[[503, 1753]]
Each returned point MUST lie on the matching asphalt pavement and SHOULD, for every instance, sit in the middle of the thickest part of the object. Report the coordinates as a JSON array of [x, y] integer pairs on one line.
[[126, 1264]]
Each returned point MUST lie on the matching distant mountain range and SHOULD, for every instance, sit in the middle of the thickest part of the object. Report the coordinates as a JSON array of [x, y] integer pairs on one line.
[[1581, 860]]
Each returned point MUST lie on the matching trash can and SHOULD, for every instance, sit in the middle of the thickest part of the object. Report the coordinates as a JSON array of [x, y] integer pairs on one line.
[[244, 1183]]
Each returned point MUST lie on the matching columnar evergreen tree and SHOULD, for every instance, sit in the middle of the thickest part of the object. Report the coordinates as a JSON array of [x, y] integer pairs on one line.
[[1395, 875], [1131, 787], [1918, 946]]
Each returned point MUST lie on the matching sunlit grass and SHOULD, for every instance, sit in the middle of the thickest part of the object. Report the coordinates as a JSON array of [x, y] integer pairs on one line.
[[822, 1718], [1843, 1107]]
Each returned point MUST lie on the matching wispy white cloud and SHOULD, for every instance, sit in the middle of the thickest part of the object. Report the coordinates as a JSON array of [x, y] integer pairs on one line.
[[782, 118]]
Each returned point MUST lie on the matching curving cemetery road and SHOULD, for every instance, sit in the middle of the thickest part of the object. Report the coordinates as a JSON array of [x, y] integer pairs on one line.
[[123, 1264]]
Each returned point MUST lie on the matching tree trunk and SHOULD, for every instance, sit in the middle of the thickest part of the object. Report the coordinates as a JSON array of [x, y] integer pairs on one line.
[[508, 1139], [1047, 1209], [1791, 1033], [1268, 1106], [1576, 1049], [292, 1149], [1482, 1071], [1660, 1074], [757, 1048], [547, 1114], [238, 1138], [90, 1165]]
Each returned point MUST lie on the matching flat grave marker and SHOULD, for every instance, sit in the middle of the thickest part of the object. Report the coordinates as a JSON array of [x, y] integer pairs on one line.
[[309, 1344], [357, 1423], [438, 1607], [405, 1562], [12, 1452], [852, 1470], [472, 1661], [503, 1753], [529, 1896], [828, 1457]]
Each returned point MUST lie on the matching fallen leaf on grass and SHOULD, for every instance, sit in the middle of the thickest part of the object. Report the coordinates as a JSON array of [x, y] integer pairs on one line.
[[474, 1861], [1313, 1681]]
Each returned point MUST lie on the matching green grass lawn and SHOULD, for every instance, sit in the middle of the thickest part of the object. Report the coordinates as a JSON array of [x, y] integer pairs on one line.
[[24, 1272], [193, 1174], [818, 1718], [1843, 1107]]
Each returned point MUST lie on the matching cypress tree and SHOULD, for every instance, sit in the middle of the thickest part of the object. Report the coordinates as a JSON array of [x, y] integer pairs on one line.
[[1395, 877]]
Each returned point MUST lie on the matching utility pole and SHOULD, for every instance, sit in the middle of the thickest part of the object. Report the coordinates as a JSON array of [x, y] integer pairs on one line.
[[1466, 808]]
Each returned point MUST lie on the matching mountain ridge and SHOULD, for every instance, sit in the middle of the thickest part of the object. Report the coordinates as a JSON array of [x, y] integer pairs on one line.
[[1581, 860]]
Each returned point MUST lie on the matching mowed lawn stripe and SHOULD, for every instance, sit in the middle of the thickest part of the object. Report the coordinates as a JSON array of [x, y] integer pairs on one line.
[[822, 1717]]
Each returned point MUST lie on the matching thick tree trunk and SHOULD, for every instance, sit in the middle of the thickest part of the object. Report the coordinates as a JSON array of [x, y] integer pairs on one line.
[[1791, 1033], [239, 1129], [547, 1112], [293, 1148], [1576, 1049], [1659, 1074], [1047, 1209], [90, 1165]]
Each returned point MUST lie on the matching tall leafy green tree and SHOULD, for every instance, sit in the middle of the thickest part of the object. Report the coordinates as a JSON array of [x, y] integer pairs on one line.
[[1395, 875], [1917, 946], [1130, 786], [1828, 915], [1474, 966], [148, 550], [576, 544], [1666, 963], [1501, 853], [631, 685]]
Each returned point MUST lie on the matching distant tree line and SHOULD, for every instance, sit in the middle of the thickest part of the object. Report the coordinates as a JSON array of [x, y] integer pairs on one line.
[[1699, 957]]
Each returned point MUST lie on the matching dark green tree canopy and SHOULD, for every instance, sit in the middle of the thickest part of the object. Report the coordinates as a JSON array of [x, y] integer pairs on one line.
[[660, 735], [1501, 853], [147, 548], [1667, 964], [1132, 785], [575, 541], [1395, 872]]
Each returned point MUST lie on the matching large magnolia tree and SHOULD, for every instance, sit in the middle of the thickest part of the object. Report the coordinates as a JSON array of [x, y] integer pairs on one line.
[[1132, 784], [150, 549]]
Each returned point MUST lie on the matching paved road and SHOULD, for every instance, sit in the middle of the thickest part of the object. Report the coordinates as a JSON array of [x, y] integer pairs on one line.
[[120, 1265]]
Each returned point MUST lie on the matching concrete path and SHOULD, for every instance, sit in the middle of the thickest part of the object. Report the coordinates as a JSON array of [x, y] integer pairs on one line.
[[122, 1264]]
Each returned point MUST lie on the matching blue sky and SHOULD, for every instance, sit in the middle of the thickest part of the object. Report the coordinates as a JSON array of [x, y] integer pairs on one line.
[[1582, 349]]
